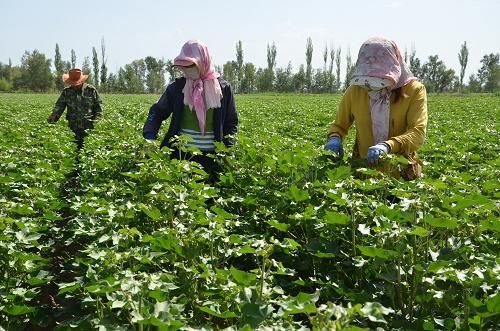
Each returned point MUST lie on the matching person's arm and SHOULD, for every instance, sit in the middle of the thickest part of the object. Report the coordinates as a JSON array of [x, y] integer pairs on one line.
[[97, 109], [416, 123], [58, 110], [344, 119], [158, 112], [230, 127]]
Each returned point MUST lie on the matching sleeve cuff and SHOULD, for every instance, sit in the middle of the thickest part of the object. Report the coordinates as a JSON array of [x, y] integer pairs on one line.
[[394, 145], [333, 134], [149, 136]]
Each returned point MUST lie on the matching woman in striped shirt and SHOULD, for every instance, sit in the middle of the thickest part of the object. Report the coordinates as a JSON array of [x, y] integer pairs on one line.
[[201, 104]]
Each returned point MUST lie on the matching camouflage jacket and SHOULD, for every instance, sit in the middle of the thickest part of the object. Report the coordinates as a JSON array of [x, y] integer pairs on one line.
[[84, 106]]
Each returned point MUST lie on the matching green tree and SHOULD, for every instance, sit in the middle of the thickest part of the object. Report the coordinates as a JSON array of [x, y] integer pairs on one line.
[[271, 64], [95, 63], [86, 69], [320, 81], [230, 72], [337, 64], [331, 77], [59, 65], [299, 80], [489, 73], [325, 70], [436, 77], [104, 69], [248, 81], [262, 80], [155, 76], [5, 83], [239, 64], [121, 84], [415, 65], [309, 53], [135, 76], [463, 58], [66, 66], [474, 84], [284, 78], [36, 74], [112, 83], [349, 69], [172, 71]]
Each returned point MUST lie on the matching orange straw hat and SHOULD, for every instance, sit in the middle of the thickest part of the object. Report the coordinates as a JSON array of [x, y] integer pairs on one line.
[[74, 77]]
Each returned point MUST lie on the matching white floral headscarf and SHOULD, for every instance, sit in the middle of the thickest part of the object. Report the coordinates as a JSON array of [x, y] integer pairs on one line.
[[381, 69]]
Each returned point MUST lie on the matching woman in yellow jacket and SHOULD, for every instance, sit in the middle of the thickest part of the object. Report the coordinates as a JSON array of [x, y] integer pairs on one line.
[[386, 103]]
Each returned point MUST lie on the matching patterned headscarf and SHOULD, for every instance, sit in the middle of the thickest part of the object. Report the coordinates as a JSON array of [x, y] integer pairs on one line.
[[205, 92], [380, 58]]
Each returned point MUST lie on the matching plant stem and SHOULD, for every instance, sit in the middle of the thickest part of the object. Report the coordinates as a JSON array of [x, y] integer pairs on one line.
[[399, 290], [263, 273]]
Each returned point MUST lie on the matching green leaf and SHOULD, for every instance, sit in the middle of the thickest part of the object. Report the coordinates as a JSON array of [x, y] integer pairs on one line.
[[336, 218], [290, 244], [18, 310], [490, 224], [52, 216], [23, 210], [224, 214], [368, 172], [243, 277], [340, 172], [214, 312], [493, 304], [254, 314], [469, 201], [152, 211], [419, 231], [447, 223], [277, 225], [378, 252], [167, 242], [302, 303], [298, 194]]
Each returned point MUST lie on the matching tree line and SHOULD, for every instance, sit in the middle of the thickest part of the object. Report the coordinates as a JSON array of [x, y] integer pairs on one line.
[[150, 75]]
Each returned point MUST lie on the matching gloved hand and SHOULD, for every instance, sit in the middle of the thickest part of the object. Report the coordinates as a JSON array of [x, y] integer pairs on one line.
[[52, 118], [334, 144], [376, 151]]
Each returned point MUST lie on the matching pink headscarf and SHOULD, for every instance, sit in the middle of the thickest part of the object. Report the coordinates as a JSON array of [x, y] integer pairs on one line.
[[205, 92], [381, 58]]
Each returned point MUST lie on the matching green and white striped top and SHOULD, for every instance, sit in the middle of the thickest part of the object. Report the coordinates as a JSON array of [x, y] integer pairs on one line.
[[190, 128]]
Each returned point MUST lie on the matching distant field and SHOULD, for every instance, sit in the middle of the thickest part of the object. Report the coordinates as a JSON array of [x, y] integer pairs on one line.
[[123, 238]]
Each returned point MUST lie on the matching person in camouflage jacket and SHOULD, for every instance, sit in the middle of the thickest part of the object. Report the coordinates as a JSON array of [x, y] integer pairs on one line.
[[83, 103]]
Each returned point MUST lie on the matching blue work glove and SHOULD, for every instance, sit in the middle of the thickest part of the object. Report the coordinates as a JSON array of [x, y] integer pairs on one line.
[[375, 152], [334, 144]]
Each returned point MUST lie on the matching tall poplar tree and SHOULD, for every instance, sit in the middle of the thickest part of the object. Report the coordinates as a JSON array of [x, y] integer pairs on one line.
[[73, 58], [59, 65], [309, 52], [104, 69], [95, 63], [463, 58], [239, 64]]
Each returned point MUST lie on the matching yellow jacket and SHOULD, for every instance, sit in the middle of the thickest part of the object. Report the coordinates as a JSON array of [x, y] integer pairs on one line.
[[407, 126]]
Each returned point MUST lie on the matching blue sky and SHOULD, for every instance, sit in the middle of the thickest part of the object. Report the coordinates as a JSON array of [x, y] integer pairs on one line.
[[135, 29]]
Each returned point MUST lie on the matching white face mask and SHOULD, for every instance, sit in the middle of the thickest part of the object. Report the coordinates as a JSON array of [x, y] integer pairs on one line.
[[191, 73]]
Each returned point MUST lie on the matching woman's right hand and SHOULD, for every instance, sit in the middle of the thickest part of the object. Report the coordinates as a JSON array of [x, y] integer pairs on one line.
[[334, 144]]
